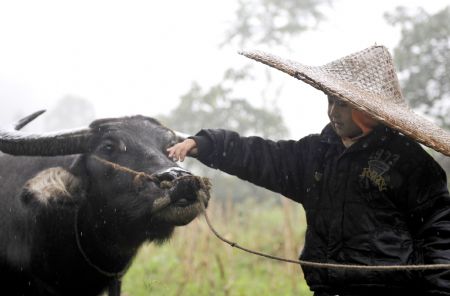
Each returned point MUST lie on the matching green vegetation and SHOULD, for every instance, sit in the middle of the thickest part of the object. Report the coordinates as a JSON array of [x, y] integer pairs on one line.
[[195, 262]]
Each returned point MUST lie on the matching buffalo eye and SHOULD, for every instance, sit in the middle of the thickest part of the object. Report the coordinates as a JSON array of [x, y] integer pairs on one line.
[[110, 146], [107, 147]]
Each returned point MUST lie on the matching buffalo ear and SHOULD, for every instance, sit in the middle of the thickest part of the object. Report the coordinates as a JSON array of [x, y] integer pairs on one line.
[[54, 185]]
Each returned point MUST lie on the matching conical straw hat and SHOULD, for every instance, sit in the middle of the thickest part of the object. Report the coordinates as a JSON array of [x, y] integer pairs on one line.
[[368, 82]]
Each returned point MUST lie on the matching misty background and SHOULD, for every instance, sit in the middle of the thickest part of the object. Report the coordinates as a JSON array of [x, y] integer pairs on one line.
[[178, 61]]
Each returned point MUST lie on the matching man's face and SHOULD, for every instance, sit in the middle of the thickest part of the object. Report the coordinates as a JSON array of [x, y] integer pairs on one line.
[[340, 114]]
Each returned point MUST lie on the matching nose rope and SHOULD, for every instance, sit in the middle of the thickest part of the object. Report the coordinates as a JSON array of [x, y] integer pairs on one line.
[[138, 176]]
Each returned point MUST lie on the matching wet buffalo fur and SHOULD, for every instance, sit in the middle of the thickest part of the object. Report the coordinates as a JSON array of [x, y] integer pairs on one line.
[[41, 196]]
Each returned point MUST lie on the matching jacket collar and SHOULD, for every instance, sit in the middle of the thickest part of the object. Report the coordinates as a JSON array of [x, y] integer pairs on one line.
[[379, 135]]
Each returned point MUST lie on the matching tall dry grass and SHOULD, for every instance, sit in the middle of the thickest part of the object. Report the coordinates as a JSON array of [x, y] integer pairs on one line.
[[195, 262]]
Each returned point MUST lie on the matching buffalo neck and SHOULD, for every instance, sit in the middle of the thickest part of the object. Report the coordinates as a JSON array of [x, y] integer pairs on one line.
[[103, 242]]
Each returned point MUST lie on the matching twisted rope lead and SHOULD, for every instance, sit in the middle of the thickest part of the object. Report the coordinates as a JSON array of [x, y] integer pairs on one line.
[[320, 264], [137, 175]]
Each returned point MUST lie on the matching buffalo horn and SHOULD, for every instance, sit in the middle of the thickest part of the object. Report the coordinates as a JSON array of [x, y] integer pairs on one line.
[[48, 144], [182, 136], [26, 120]]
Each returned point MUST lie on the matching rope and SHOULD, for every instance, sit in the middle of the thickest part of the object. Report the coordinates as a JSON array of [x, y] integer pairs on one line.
[[138, 175], [321, 264], [116, 275]]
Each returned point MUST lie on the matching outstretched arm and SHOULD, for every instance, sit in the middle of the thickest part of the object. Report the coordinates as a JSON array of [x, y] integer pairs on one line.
[[277, 166]]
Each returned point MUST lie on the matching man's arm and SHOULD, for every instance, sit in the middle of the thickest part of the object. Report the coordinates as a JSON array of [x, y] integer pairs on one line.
[[277, 166]]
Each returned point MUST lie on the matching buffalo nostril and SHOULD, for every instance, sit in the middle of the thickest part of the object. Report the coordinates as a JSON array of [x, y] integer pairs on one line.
[[171, 174], [165, 177]]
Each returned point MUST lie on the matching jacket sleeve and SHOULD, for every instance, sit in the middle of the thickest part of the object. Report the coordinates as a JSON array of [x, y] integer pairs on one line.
[[277, 166], [429, 204]]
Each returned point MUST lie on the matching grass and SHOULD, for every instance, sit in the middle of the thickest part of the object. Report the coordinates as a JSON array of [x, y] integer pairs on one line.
[[195, 262]]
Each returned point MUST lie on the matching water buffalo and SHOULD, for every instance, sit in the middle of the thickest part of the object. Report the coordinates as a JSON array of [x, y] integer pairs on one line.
[[75, 206]]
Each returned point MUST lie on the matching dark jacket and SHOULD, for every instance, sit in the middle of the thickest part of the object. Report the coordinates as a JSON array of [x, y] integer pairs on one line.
[[383, 201]]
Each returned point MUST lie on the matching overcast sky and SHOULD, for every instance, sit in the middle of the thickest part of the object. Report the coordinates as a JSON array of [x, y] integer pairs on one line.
[[138, 57]]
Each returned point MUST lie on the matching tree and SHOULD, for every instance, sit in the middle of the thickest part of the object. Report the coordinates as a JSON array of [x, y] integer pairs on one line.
[[273, 22], [423, 60], [218, 108]]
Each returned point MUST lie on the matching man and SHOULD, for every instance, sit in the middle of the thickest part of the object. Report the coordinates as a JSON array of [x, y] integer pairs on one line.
[[372, 195]]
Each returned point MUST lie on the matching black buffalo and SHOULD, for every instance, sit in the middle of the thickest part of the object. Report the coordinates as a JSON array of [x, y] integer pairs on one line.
[[75, 206]]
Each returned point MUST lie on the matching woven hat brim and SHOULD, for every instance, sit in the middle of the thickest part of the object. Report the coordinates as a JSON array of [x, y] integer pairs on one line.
[[396, 115]]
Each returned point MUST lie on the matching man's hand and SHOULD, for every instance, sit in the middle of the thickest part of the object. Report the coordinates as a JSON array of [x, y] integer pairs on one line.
[[179, 151]]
